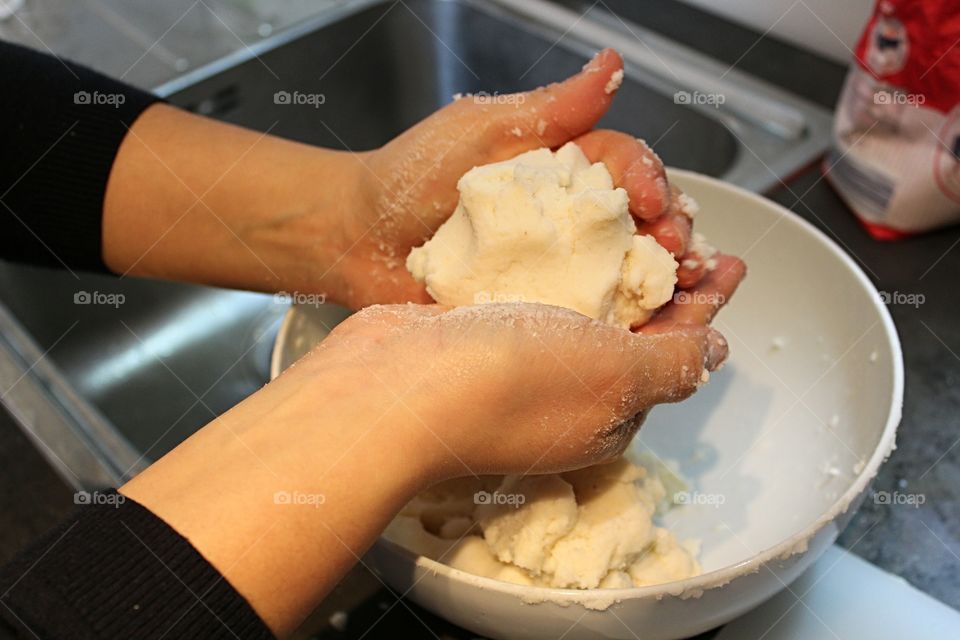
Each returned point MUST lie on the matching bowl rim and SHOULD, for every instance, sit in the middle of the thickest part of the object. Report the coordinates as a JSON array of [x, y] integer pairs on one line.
[[788, 547]]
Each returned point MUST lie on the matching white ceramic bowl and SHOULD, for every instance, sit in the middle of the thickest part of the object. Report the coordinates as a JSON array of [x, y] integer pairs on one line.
[[779, 447]]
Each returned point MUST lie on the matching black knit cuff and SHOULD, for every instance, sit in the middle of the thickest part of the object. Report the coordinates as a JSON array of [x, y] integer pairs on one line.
[[61, 125], [118, 571]]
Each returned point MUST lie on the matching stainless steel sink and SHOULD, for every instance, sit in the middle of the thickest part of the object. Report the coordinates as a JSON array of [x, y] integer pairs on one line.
[[106, 389]]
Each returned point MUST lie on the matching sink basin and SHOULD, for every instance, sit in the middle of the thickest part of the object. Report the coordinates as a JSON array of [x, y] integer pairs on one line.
[[399, 72], [104, 389]]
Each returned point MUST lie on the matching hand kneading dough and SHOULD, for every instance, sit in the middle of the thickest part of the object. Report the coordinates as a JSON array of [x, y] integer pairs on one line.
[[546, 227]]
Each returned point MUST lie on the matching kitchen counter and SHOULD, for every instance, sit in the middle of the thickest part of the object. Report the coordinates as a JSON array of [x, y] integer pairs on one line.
[[921, 543]]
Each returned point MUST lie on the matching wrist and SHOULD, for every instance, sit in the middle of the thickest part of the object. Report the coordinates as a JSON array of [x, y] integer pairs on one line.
[[362, 232], [331, 186], [335, 400]]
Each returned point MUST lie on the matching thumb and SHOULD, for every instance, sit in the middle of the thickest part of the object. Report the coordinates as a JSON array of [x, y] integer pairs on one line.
[[545, 117], [477, 130], [553, 115], [670, 366]]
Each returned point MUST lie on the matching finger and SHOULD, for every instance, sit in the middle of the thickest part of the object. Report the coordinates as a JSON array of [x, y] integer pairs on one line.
[[691, 271], [671, 230], [469, 132], [634, 166], [553, 115], [694, 265], [545, 117], [670, 365], [700, 304]]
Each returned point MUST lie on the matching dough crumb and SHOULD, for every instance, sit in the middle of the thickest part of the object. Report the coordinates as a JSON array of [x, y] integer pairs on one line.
[[700, 246], [688, 206], [616, 79], [338, 620]]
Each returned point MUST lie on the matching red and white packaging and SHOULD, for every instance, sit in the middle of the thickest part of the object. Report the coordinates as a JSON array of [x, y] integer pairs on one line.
[[896, 151]]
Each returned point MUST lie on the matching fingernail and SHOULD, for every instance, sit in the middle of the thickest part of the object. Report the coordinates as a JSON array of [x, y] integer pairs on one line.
[[717, 350]]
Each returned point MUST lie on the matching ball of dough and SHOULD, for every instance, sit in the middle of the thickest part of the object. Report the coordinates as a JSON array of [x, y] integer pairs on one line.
[[546, 227]]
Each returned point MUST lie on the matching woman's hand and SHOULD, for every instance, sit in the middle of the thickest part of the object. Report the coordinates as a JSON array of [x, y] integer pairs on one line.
[[516, 388], [197, 200], [284, 492], [527, 388], [409, 187]]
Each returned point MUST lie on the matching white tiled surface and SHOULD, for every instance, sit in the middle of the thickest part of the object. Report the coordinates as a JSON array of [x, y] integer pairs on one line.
[[843, 596]]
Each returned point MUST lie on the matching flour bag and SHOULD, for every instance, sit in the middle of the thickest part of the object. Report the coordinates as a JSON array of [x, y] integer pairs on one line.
[[895, 158]]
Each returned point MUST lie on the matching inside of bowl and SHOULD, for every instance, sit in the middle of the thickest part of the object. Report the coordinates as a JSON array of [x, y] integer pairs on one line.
[[779, 434]]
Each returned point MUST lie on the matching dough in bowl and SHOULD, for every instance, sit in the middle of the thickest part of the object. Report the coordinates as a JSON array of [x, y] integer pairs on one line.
[[580, 530]]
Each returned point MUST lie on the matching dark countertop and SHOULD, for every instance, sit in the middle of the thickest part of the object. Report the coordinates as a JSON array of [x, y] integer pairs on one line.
[[921, 544]]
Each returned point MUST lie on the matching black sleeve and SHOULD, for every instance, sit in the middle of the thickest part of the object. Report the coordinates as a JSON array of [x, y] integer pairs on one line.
[[118, 571], [61, 125]]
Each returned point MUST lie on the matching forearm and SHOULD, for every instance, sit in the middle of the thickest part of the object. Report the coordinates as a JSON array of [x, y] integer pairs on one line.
[[394, 400], [283, 517], [201, 201], [95, 174]]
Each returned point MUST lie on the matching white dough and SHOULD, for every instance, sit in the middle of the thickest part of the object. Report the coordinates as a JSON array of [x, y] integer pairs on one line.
[[546, 227], [583, 529]]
